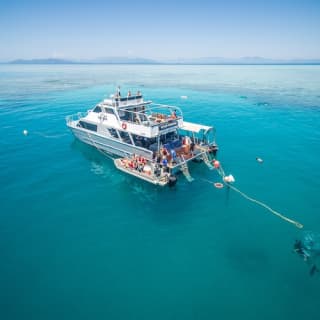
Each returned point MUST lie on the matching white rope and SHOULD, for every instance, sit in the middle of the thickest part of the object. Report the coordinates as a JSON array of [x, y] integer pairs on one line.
[[278, 214]]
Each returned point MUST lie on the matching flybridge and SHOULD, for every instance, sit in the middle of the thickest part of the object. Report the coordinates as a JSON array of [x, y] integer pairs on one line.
[[116, 100]]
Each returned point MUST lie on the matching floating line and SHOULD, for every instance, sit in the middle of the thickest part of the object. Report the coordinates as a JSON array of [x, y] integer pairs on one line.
[[276, 213]]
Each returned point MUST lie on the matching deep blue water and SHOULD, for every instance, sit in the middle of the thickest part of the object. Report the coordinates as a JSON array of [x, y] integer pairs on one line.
[[80, 240]]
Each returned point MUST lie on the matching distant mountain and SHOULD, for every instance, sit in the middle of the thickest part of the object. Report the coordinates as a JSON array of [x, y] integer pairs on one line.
[[109, 60], [41, 61], [123, 60], [243, 60], [192, 61]]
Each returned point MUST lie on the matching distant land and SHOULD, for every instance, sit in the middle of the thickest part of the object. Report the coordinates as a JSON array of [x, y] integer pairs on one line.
[[182, 61], [41, 61], [110, 60]]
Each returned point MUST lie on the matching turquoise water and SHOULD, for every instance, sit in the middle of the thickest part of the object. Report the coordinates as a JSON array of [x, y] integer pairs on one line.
[[80, 240]]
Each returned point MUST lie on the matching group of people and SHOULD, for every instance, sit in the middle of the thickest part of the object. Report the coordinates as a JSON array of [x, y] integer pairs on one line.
[[160, 117], [142, 165], [165, 158], [170, 157], [136, 162]]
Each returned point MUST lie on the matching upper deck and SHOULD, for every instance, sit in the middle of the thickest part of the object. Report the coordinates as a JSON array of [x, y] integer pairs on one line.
[[137, 116], [134, 115]]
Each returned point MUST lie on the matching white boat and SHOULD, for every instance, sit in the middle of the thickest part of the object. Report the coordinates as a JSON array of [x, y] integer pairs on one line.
[[143, 133]]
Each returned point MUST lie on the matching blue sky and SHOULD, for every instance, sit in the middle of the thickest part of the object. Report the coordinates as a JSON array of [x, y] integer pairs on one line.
[[166, 29]]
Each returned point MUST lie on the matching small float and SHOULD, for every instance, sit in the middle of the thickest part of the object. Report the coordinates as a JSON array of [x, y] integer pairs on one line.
[[218, 185]]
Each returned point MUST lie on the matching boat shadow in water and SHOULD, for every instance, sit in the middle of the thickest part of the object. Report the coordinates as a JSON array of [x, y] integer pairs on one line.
[[161, 204], [100, 164], [89, 152]]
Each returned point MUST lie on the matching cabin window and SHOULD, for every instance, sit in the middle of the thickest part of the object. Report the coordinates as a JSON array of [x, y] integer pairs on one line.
[[143, 141], [97, 109], [88, 126], [109, 110], [125, 136], [124, 115], [113, 133]]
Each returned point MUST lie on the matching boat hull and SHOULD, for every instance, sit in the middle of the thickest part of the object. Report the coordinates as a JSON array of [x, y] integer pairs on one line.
[[109, 145]]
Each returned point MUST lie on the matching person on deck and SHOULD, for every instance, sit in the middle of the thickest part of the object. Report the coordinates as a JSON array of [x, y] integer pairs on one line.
[[173, 155], [118, 94], [173, 115]]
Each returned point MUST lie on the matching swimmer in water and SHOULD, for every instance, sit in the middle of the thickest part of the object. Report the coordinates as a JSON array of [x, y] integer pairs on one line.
[[299, 249], [259, 160], [313, 270], [303, 252]]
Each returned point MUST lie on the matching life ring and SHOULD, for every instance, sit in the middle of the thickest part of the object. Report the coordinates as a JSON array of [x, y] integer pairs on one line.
[[218, 185], [124, 126]]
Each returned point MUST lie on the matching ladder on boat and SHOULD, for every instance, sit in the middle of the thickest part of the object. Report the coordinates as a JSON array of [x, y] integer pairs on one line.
[[185, 170], [206, 160]]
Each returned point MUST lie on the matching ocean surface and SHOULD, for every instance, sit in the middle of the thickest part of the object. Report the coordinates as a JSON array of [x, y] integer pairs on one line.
[[81, 240]]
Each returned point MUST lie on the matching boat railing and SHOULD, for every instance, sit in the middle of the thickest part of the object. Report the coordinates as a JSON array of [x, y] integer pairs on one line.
[[75, 117], [164, 108], [160, 114], [126, 101], [154, 115]]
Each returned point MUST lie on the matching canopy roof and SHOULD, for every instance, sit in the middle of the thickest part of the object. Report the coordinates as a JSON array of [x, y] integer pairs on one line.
[[194, 127]]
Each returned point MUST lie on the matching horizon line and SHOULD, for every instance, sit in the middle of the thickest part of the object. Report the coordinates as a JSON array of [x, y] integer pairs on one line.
[[165, 63], [214, 59]]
